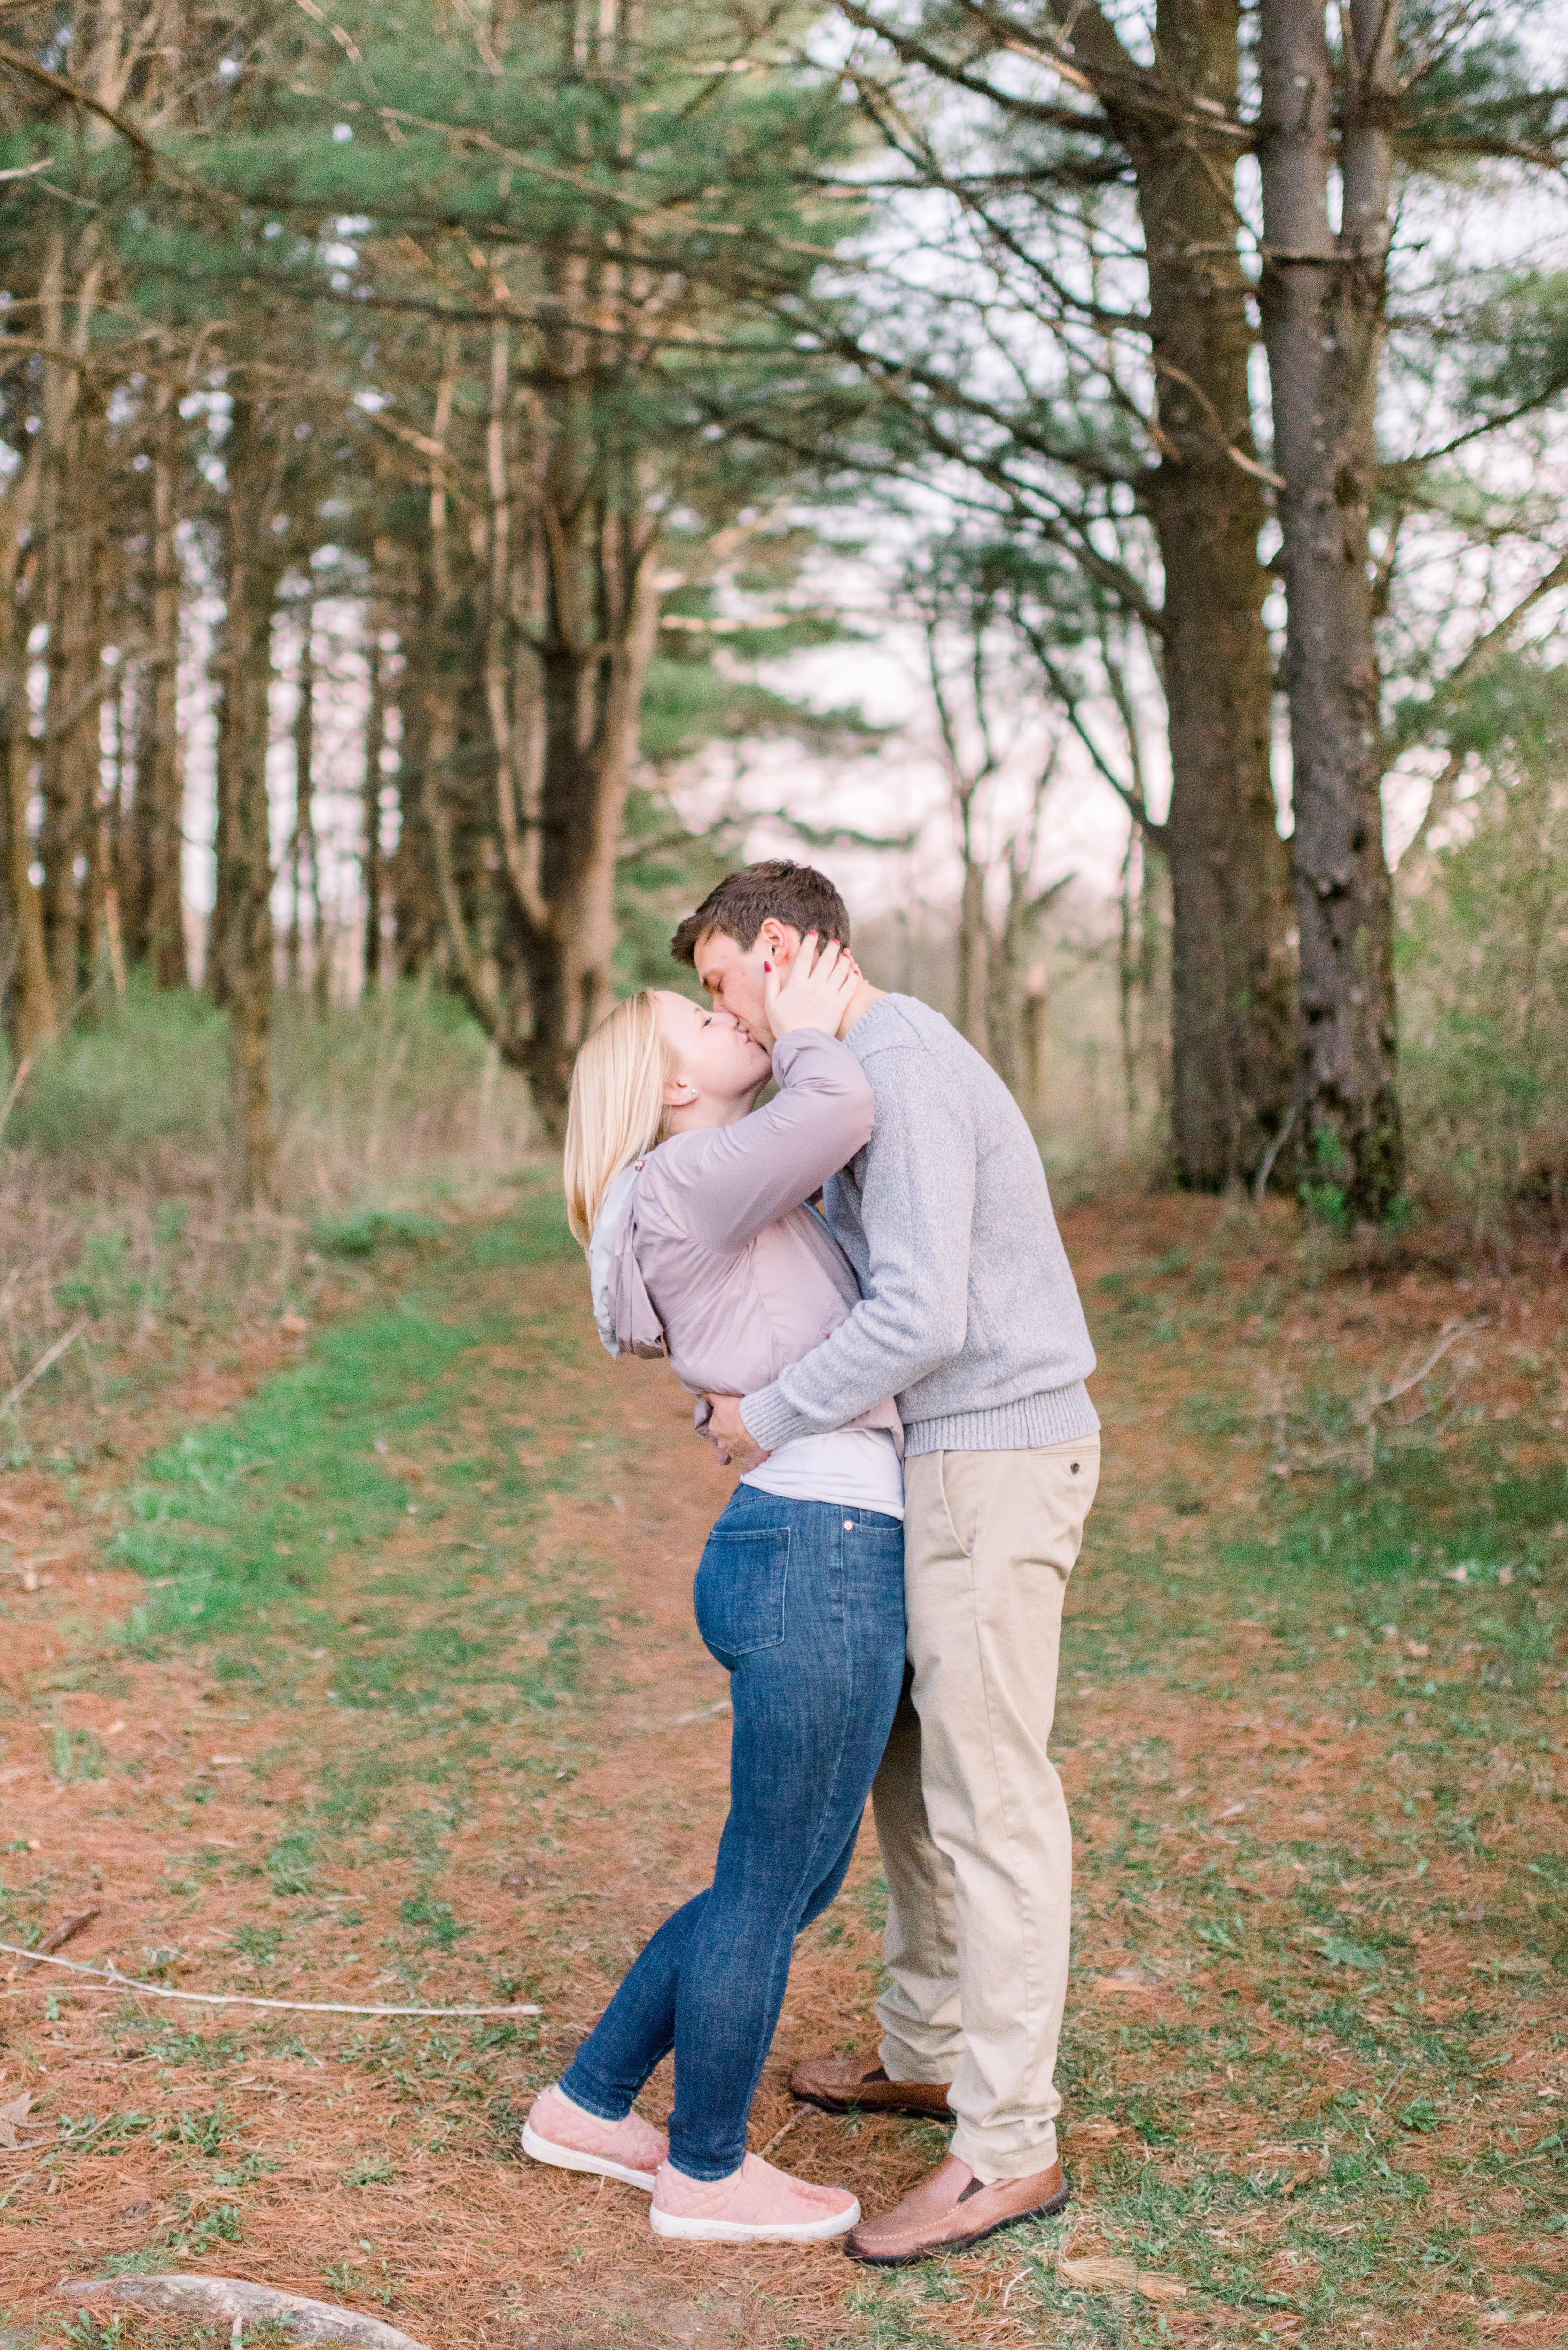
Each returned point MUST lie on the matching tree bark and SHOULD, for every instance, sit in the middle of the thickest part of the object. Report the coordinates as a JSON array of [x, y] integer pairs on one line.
[[155, 896], [380, 660], [1324, 294], [253, 574], [1232, 963], [29, 1000], [969, 1006], [600, 562], [421, 867], [70, 552], [305, 858]]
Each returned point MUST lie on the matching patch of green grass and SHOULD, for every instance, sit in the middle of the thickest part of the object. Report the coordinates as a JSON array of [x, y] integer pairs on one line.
[[371, 2170], [250, 1509], [246, 1513], [369, 1229], [150, 1066]]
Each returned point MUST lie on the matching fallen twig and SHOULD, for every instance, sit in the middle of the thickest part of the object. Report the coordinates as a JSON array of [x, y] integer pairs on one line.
[[51, 1356], [1370, 1428], [77, 2145], [113, 1980], [24, 1071], [1260, 1186], [57, 1940], [779, 2135], [1402, 1385], [702, 1713]]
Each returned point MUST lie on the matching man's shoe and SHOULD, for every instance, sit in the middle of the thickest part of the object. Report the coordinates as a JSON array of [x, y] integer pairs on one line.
[[951, 2209], [842, 2084]]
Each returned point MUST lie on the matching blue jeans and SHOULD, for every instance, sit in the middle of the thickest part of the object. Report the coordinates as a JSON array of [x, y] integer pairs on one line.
[[804, 1603]]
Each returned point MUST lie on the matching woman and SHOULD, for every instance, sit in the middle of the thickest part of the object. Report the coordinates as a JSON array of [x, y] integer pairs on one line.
[[689, 1205]]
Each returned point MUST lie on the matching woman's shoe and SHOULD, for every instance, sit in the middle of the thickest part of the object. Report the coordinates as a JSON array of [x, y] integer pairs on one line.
[[559, 2132], [755, 2205]]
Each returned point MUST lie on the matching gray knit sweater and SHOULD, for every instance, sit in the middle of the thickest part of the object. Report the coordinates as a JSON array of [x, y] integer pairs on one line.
[[970, 1316]]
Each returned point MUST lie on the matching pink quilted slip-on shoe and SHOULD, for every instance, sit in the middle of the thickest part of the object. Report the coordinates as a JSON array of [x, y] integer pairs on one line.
[[559, 2132], [755, 2205]]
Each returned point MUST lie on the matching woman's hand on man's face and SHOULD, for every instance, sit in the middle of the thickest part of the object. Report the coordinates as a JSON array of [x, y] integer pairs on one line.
[[815, 992]]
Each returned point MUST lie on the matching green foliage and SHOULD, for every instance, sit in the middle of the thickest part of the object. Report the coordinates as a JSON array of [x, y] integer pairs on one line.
[[1484, 957], [362, 1233], [74, 1754], [371, 2170], [86, 2332], [434, 1918], [1518, 343], [392, 1079], [147, 1069]]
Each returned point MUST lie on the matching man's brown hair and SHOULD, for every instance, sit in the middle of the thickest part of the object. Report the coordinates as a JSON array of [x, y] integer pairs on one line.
[[776, 891]]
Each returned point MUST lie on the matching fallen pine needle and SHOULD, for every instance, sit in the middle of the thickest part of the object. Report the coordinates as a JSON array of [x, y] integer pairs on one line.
[[1099, 2272], [112, 1976]]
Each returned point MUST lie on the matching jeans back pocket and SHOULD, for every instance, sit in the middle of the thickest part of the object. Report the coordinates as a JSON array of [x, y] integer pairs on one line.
[[739, 1592]]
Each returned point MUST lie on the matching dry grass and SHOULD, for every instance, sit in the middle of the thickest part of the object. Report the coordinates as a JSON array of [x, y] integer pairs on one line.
[[118, 1222]]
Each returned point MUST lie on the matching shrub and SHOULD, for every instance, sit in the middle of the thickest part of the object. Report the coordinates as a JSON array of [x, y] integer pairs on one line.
[[1484, 965]]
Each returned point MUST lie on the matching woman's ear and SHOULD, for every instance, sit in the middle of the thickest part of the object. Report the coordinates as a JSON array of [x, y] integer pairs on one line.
[[679, 1093]]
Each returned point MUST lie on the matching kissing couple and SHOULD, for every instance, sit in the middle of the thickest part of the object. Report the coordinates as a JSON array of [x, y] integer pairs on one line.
[[899, 1376]]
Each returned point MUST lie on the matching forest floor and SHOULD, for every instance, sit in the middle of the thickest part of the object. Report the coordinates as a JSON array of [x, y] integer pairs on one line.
[[353, 1661]]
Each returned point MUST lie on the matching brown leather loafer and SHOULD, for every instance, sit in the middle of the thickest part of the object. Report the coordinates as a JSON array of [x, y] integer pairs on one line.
[[949, 2210], [843, 2084]]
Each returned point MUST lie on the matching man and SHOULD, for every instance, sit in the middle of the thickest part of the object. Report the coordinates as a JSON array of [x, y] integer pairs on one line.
[[970, 1318]]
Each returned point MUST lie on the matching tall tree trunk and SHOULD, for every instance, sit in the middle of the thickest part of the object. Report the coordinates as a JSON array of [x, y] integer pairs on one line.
[[373, 863], [571, 616], [1126, 980], [98, 595], [252, 577], [29, 1000], [1007, 945], [428, 912], [70, 552], [970, 998], [304, 860], [1231, 976], [1322, 296], [155, 898], [599, 561], [380, 659]]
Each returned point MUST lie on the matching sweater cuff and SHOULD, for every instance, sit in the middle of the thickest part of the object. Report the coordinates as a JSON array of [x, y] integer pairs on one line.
[[773, 1421]]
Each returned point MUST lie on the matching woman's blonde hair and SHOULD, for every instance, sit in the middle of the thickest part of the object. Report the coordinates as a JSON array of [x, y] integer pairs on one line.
[[618, 1109]]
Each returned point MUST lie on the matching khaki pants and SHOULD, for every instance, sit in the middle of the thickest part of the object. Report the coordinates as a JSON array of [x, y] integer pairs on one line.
[[969, 1812]]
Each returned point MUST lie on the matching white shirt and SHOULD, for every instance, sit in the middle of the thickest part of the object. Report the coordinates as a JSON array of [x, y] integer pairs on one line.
[[854, 1467]]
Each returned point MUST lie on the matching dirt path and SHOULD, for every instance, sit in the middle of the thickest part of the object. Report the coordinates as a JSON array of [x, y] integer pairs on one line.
[[442, 1733]]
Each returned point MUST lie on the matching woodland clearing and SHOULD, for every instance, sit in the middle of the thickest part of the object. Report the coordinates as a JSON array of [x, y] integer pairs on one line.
[[351, 1660]]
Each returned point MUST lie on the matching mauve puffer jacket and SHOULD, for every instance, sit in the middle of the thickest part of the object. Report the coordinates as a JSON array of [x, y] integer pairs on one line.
[[705, 1251]]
